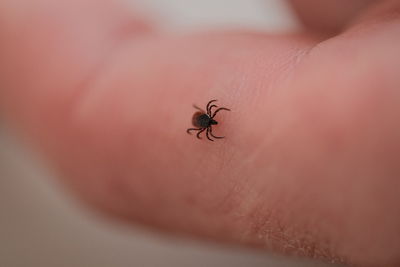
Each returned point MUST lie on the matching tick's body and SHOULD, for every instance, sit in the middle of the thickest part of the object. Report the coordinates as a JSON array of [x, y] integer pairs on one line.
[[204, 120]]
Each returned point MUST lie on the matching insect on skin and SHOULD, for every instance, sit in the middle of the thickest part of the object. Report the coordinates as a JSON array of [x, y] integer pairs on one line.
[[204, 120]]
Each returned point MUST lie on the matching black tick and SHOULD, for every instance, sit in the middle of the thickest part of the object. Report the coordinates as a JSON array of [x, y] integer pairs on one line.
[[204, 120]]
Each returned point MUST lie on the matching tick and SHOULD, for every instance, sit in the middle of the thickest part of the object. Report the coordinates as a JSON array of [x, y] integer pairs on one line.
[[204, 120]]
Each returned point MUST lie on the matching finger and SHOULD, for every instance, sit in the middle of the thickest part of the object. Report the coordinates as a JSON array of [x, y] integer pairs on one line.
[[121, 142], [328, 17]]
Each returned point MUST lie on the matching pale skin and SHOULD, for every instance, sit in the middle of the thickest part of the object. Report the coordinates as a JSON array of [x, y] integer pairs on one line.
[[310, 162]]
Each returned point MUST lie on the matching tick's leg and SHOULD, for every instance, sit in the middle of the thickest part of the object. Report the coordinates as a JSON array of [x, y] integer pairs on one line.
[[193, 129], [218, 137], [209, 109], [209, 103], [196, 107], [215, 113], [208, 131], [198, 134]]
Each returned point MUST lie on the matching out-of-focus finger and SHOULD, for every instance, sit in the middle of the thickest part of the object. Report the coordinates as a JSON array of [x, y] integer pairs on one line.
[[330, 16]]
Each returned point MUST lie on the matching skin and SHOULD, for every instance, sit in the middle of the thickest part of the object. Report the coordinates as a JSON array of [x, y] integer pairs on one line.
[[310, 162]]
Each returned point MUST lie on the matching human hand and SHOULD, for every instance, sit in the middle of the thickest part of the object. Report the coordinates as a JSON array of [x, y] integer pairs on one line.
[[310, 163]]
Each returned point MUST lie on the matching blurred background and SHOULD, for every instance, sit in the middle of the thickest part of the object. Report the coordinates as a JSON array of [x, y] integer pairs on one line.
[[41, 225]]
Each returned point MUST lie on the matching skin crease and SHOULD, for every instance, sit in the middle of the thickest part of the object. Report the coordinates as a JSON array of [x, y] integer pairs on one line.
[[310, 163]]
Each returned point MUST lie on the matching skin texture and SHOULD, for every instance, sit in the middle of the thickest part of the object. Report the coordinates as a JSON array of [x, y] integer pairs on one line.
[[310, 163]]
